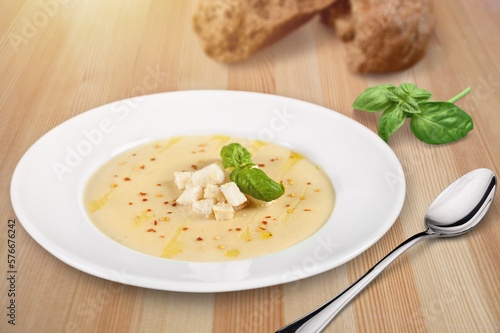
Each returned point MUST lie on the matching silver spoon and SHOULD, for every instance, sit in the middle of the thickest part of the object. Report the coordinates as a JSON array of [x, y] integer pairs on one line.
[[454, 212]]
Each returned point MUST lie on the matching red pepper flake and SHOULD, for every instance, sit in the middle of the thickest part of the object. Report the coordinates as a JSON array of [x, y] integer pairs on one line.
[[261, 165], [155, 222], [185, 228], [165, 202], [238, 229], [169, 212], [142, 193], [145, 199], [199, 239], [158, 184], [152, 159], [264, 222], [151, 230], [127, 179], [142, 166], [308, 183], [267, 217], [288, 205], [148, 210], [194, 167], [174, 204], [130, 203]]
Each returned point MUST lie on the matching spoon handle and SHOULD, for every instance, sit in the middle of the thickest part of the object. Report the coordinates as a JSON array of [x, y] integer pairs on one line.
[[317, 320]]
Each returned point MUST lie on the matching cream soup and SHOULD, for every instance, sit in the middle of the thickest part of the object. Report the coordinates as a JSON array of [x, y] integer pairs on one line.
[[131, 199]]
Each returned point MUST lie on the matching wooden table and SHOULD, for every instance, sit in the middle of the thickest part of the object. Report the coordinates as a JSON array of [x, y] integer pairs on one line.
[[60, 58]]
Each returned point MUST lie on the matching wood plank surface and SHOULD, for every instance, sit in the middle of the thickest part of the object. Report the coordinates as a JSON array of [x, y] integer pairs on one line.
[[59, 58]]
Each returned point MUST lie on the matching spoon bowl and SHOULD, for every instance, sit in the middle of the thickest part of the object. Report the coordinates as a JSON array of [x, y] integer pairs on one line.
[[462, 204], [455, 211]]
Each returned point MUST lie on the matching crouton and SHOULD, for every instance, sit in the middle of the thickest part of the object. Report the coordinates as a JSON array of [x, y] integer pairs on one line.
[[191, 194], [204, 206], [182, 179], [212, 191], [260, 203], [241, 206], [223, 211], [233, 194], [211, 174]]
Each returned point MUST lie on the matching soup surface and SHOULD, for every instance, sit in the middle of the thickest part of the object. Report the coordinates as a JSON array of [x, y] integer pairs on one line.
[[132, 200]]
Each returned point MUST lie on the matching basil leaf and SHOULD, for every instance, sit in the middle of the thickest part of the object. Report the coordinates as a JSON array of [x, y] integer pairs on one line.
[[236, 156], [404, 99], [373, 99], [410, 106], [251, 181], [419, 95], [431, 122], [392, 119], [408, 87], [440, 122], [396, 95], [256, 183]]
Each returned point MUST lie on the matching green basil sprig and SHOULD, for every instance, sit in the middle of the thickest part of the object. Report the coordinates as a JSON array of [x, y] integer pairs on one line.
[[431, 122], [249, 179]]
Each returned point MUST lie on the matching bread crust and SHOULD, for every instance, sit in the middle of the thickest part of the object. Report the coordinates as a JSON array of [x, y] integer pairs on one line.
[[382, 35], [233, 30]]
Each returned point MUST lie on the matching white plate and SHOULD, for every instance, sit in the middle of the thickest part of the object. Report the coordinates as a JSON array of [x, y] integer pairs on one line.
[[48, 183]]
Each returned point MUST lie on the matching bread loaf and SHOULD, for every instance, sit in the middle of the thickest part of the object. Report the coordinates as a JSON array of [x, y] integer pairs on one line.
[[381, 35], [233, 30]]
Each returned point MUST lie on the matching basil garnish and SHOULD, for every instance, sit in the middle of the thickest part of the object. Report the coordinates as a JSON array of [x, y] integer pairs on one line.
[[249, 179], [236, 156]]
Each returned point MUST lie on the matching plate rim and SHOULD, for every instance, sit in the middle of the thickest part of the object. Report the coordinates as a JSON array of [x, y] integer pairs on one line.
[[203, 286]]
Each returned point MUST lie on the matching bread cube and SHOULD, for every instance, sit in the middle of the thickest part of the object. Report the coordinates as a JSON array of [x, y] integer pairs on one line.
[[182, 179], [212, 191], [223, 211], [233, 194], [241, 206], [191, 194], [211, 174], [260, 203], [204, 206]]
